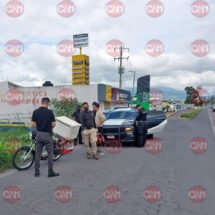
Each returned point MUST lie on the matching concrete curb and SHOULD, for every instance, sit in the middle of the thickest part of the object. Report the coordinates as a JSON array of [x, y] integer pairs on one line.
[[171, 114]]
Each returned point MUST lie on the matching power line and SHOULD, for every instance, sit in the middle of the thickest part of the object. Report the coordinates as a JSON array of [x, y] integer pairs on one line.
[[121, 58]]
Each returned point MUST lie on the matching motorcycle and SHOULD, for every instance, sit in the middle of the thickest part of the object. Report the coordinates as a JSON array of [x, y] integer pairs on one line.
[[24, 156]]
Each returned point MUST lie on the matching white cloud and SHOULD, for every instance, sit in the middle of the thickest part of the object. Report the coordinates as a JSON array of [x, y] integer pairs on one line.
[[40, 28]]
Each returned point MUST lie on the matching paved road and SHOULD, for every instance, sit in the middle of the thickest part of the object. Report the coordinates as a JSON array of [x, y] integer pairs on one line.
[[166, 180]]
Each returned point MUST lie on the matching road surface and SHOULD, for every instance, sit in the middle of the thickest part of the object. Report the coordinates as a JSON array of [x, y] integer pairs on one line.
[[174, 174]]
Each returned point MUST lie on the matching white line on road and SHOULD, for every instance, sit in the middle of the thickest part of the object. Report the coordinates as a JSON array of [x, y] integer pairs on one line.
[[8, 173], [212, 122]]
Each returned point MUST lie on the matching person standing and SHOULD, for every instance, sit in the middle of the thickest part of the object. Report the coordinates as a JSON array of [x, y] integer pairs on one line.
[[76, 115], [89, 131], [43, 120], [99, 119], [141, 126], [99, 116]]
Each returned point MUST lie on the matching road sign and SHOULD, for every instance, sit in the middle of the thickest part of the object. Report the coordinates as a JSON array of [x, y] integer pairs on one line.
[[80, 40]]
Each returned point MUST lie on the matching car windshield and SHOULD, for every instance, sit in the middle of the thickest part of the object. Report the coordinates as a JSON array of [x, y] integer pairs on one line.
[[122, 115]]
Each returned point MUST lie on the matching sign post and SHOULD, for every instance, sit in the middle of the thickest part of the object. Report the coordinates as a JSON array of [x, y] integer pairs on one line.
[[80, 63]]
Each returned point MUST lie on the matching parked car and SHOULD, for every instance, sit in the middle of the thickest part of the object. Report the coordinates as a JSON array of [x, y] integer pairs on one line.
[[120, 124]]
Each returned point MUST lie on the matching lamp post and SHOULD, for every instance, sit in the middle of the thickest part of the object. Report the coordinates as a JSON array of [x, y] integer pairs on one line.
[[134, 77]]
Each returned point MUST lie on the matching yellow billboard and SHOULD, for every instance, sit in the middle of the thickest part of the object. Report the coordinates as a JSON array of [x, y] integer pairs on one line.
[[80, 70], [108, 93]]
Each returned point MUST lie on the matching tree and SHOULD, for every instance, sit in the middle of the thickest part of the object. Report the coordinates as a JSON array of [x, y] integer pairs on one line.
[[212, 100], [189, 92], [64, 107], [48, 84], [193, 96]]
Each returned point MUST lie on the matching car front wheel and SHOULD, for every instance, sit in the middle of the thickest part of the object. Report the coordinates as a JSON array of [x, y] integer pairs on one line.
[[150, 136]]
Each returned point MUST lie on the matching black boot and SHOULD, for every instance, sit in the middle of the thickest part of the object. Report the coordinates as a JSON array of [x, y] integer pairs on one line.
[[37, 173], [53, 174]]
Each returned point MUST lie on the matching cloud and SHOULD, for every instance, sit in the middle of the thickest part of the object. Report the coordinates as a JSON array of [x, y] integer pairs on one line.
[[40, 28]]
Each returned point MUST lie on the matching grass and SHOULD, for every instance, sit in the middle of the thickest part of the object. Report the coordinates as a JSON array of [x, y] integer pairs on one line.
[[191, 115], [10, 140]]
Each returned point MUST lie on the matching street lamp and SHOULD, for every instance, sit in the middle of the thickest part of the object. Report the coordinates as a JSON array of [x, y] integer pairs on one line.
[[134, 76]]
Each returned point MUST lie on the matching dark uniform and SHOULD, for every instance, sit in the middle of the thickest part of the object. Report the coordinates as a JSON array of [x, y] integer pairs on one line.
[[43, 118], [77, 114], [141, 128]]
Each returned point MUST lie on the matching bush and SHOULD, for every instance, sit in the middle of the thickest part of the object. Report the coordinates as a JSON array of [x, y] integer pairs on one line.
[[65, 107], [10, 140], [191, 115], [5, 159]]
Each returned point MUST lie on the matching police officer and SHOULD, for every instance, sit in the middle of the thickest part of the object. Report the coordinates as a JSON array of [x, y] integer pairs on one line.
[[89, 131], [141, 126]]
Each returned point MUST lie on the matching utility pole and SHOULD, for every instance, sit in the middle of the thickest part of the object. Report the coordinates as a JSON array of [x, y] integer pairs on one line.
[[121, 58], [134, 77]]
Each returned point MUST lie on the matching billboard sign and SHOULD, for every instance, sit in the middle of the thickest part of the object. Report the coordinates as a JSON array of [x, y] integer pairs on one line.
[[120, 95], [143, 92], [80, 40], [80, 69]]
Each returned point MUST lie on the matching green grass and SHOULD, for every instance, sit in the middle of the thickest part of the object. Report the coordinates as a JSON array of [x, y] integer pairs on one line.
[[191, 115], [10, 140]]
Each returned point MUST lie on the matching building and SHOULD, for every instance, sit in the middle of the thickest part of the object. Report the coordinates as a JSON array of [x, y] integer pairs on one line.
[[17, 103], [80, 70]]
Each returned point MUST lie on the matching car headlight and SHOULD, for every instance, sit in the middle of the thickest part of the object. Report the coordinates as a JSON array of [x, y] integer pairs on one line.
[[128, 129]]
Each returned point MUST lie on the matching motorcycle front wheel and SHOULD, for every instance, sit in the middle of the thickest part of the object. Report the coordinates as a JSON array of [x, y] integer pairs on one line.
[[22, 159]]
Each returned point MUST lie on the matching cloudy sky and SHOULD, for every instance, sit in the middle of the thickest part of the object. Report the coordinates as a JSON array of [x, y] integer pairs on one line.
[[42, 25]]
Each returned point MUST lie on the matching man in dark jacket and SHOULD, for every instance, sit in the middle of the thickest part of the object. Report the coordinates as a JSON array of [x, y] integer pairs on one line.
[[76, 115], [141, 126], [89, 131]]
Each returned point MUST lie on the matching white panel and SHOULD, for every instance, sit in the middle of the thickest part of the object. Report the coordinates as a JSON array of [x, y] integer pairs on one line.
[[21, 101]]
